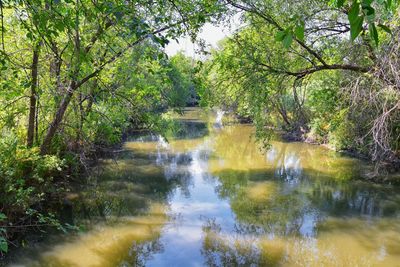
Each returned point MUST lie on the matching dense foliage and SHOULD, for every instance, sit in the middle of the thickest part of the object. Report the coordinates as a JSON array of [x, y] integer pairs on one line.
[[75, 76], [308, 68]]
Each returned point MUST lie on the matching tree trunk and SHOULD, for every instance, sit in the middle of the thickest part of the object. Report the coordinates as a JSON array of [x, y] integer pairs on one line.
[[37, 120], [62, 107], [282, 112], [33, 96], [299, 108], [45, 147], [81, 117], [89, 105]]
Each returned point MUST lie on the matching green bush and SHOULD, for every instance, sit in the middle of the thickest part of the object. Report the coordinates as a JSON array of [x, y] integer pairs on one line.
[[342, 132], [319, 129], [25, 179], [3, 240]]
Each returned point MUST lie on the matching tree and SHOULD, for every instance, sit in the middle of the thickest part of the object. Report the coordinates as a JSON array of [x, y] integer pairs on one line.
[[264, 69]]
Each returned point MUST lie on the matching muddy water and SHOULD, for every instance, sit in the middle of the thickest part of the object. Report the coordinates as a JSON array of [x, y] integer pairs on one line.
[[209, 197]]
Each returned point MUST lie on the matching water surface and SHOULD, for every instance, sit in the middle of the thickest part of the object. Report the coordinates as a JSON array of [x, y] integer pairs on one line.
[[210, 197]]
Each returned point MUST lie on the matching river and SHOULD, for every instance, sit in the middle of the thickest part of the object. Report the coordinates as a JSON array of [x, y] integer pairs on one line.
[[210, 197]]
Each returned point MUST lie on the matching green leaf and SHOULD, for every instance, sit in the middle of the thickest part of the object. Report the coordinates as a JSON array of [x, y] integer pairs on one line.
[[59, 25], [3, 245], [356, 27], [388, 4], [355, 20], [279, 36], [287, 41], [2, 217], [373, 33], [299, 31], [29, 35], [353, 12], [370, 13], [340, 3], [367, 2], [385, 28]]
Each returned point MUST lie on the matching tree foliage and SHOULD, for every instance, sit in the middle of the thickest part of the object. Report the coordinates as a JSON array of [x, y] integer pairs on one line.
[[76, 76], [314, 69]]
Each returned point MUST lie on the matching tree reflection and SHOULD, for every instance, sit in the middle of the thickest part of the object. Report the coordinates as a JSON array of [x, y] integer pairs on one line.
[[293, 187], [225, 250], [140, 253]]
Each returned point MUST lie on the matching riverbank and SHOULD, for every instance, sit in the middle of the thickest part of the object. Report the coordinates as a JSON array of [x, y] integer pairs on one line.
[[70, 183], [377, 172], [36, 189], [210, 196], [42, 185]]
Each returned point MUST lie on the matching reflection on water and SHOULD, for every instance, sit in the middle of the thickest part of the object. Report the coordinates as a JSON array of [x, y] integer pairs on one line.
[[131, 241], [209, 197]]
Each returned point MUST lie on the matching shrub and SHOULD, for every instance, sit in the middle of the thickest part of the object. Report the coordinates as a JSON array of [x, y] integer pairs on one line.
[[25, 179], [342, 132]]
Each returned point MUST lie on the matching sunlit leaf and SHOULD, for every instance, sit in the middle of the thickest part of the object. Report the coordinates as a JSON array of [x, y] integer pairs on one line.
[[385, 28]]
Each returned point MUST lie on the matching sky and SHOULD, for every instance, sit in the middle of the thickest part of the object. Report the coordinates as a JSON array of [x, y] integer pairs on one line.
[[210, 33]]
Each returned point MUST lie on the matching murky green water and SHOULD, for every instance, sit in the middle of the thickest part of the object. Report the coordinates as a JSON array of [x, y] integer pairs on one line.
[[209, 197]]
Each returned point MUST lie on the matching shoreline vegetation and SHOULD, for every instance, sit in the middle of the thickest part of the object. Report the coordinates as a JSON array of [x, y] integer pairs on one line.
[[385, 173], [77, 76], [68, 183]]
